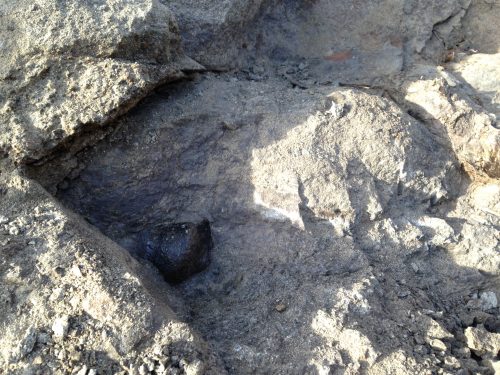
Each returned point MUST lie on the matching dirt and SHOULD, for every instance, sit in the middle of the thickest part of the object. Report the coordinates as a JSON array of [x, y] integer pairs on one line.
[[348, 165]]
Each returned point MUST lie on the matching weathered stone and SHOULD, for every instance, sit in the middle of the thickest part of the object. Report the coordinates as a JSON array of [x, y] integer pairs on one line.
[[482, 342], [60, 327], [456, 121], [68, 68]]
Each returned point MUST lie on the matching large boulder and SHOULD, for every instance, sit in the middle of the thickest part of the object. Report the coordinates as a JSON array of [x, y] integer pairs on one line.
[[66, 67]]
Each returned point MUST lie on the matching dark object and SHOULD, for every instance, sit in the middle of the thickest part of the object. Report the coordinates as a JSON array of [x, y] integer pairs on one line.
[[178, 250]]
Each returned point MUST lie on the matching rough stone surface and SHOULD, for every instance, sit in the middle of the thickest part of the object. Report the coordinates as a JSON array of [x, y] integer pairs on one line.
[[482, 342], [456, 119], [337, 37], [482, 72], [68, 67], [344, 152]]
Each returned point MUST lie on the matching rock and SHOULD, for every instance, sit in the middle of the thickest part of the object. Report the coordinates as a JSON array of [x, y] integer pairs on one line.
[[482, 72], [205, 25], [280, 307], [178, 250], [66, 68], [314, 187], [481, 28], [439, 232], [456, 120], [143, 370], [222, 34], [434, 330], [25, 346], [486, 198], [149, 363], [83, 370], [488, 300], [482, 342], [60, 327], [451, 362], [335, 111], [14, 230], [493, 365], [438, 345]]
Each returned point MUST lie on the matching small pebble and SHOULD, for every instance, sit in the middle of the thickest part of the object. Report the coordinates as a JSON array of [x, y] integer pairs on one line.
[[76, 271], [160, 368], [280, 307], [437, 345], [14, 231], [60, 326], [452, 362], [75, 355], [4, 219], [488, 300], [149, 363], [143, 370], [404, 294]]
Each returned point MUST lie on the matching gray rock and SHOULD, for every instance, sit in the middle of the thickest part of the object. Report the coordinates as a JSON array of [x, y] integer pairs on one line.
[[83, 370], [68, 67], [438, 345], [482, 342], [456, 119], [487, 301], [25, 346]]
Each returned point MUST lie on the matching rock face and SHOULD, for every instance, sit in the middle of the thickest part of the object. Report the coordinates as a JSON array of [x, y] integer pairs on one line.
[[213, 31], [338, 38], [351, 186], [68, 68]]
